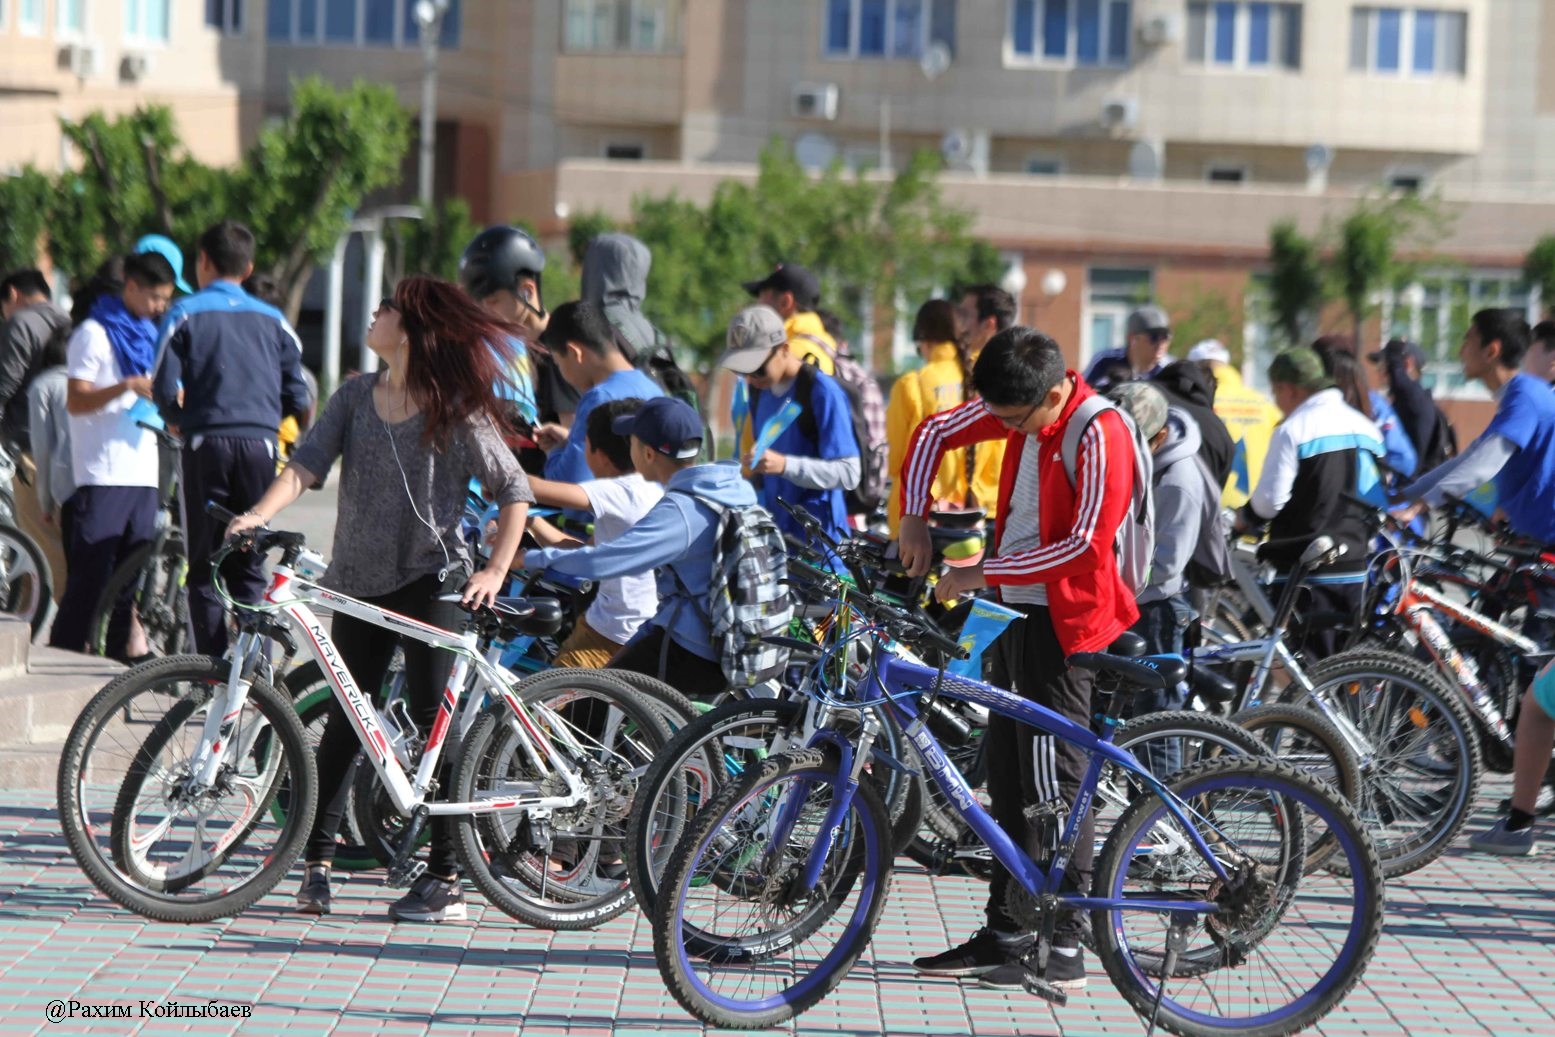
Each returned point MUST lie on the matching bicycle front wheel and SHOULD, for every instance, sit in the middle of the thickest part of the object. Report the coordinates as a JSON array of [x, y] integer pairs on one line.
[[1282, 947], [567, 871], [150, 838], [740, 939]]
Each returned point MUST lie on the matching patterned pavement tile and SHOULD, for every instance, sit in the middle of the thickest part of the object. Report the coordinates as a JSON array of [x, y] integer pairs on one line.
[[1465, 952]]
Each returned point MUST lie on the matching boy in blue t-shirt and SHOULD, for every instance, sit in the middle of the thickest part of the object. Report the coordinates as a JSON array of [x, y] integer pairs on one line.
[[1517, 450], [800, 417]]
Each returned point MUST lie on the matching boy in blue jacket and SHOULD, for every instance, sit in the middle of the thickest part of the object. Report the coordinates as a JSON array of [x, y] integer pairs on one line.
[[676, 538]]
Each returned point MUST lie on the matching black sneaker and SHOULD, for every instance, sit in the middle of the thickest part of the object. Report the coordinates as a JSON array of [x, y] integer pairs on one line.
[[983, 953], [313, 897], [1064, 971], [431, 899]]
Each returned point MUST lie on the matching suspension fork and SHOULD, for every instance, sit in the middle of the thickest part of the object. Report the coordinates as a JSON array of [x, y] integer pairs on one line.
[[224, 708], [1354, 738], [853, 758]]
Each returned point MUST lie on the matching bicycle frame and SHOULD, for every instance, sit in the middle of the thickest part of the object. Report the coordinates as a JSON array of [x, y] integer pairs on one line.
[[289, 596], [899, 682]]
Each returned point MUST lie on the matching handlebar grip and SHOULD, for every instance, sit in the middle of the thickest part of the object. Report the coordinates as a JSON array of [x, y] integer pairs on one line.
[[221, 514]]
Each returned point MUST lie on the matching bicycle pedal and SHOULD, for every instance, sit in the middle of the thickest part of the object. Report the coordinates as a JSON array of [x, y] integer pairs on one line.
[[406, 874], [1035, 984]]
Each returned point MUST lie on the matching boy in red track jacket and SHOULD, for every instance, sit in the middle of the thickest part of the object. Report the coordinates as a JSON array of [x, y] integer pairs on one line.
[[1055, 560]]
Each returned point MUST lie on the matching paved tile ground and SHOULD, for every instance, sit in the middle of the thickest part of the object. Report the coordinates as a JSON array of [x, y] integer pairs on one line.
[[1467, 950]]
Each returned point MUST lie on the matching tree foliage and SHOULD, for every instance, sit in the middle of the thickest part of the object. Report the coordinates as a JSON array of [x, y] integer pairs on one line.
[[24, 200], [1378, 245], [866, 239], [1297, 287], [1201, 313], [1539, 270], [430, 245], [297, 188]]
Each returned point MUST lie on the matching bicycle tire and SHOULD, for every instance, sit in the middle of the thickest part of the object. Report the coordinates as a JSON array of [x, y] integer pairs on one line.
[[28, 588], [1296, 794], [1326, 746], [1431, 702], [168, 632], [203, 675], [489, 842], [864, 847], [666, 801]]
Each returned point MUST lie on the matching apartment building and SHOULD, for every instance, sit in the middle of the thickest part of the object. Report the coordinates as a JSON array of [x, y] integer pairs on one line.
[[1114, 149], [63, 59]]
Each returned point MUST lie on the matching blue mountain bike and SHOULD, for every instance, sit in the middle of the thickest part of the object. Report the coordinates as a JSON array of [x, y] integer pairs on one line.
[[1202, 913]]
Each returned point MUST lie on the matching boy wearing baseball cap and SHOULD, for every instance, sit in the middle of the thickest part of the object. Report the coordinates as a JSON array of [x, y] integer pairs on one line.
[[676, 539], [807, 460]]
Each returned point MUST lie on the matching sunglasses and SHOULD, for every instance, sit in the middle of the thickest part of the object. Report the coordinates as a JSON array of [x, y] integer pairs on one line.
[[389, 304], [761, 372]]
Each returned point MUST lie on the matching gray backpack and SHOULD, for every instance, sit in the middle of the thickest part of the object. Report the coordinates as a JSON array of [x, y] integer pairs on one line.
[[1210, 565], [1136, 537]]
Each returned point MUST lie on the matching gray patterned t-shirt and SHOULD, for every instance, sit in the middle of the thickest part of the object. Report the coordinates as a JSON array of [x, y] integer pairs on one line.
[[381, 543]]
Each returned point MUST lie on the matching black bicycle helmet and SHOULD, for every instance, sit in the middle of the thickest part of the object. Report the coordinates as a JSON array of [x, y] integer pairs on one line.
[[495, 260]]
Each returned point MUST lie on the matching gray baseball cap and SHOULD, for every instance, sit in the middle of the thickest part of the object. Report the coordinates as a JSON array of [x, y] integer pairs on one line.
[[1147, 319], [753, 334]]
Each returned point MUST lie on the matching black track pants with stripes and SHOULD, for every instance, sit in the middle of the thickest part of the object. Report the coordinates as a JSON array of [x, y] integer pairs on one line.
[[1027, 767]]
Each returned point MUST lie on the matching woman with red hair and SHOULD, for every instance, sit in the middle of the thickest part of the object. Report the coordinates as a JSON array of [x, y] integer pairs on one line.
[[410, 437]]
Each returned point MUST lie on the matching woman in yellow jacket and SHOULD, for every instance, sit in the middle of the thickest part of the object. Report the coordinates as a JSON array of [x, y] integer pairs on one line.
[[940, 384]]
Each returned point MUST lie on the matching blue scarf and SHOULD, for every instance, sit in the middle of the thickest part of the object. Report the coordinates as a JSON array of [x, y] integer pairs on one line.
[[133, 338]]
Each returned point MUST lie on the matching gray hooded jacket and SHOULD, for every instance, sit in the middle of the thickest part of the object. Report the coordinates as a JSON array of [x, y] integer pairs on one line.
[[1179, 506], [615, 276]]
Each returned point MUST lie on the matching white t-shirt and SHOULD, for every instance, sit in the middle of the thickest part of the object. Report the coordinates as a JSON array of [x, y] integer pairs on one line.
[[1022, 524], [107, 448], [623, 604]]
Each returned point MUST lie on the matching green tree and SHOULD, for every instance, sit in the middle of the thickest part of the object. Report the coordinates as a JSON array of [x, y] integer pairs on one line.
[[430, 245], [24, 201], [1297, 287], [307, 175], [1378, 245], [1539, 270], [584, 228], [866, 239], [1201, 313]]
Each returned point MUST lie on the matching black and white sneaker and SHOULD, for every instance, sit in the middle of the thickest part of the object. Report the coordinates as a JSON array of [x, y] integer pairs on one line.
[[1064, 971], [313, 897], [983, 953], [431, 899], [1544, 806]]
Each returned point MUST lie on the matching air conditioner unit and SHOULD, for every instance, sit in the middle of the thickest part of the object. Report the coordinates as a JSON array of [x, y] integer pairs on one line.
[[1159, 30], [133, 67], [815, 101], [79, 59], [1120, 114]]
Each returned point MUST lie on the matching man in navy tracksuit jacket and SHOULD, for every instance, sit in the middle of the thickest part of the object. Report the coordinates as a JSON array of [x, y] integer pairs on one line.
[[229, 369]]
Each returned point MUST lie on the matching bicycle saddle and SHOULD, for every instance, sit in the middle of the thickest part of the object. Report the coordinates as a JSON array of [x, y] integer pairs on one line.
[[1139, 673], [1129, 645], [942, 538], [945, 521]]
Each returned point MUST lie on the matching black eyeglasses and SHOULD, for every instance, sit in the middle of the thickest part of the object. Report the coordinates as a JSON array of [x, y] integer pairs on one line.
[[761, 372], [1014, 424]]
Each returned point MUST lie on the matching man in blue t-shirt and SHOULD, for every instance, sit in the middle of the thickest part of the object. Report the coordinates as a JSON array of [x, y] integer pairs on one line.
[[800, 418], [1517, 450], [583, 344]]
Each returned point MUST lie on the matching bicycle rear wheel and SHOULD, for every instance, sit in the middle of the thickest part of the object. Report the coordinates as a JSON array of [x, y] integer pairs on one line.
[[1283, 947], [26, 584], [739, 939], [1304, 739], [161, 598], [569, 873], [1421, 776], [142, 834]]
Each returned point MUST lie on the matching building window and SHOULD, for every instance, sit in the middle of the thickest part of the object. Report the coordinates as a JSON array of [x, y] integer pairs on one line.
[[1397, 41], [1226, 173], [1243, 34], [340, 21], [30, 20], [280, 16], [1070, 32], [69, 18], [146, 21], [1044, 165], [646, 26], [887, 28], [632, 152], [226, 16], [1406, 181], [308, 20], [378, 23]]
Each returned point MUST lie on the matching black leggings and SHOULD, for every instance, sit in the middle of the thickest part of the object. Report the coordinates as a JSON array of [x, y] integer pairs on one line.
[[367, 650], [693, 676]]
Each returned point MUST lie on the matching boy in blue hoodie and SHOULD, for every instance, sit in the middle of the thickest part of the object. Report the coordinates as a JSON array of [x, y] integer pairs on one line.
[[676, 538]]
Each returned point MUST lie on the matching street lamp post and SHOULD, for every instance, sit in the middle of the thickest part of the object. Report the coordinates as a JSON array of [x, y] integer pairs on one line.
[[429, 18]]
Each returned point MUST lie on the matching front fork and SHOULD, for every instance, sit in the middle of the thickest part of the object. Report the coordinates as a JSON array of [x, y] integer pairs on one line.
[[225, 707], [853, 755]]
